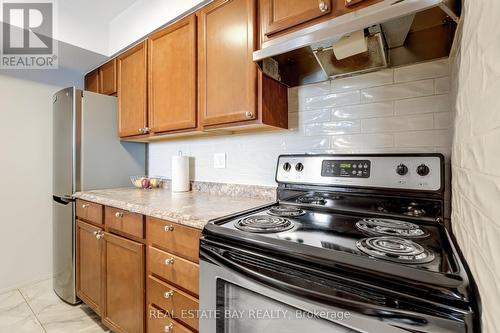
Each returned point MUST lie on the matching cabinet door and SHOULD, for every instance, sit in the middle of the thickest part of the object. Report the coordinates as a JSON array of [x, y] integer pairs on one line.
[[227, 74], [123, 284], [132, 91], [278, 15], [89, 265], [172, 77], [92, 81], [107, 78]]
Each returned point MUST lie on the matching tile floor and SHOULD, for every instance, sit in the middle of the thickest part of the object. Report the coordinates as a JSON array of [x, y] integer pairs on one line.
[[37, 309]]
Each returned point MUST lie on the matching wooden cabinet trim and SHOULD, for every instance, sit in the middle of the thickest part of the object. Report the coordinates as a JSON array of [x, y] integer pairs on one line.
[[186, 76]]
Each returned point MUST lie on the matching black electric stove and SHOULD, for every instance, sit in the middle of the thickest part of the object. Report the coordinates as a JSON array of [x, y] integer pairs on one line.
[[367, 220]]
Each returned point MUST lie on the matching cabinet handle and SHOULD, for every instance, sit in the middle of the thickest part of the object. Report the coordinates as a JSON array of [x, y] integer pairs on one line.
[[146, 130], [141, 130], [249, 114], [119, 215], [168, 294], [98, 234], [168, 228], [169, 328], [169, 261], [323, 6], [85, 206]]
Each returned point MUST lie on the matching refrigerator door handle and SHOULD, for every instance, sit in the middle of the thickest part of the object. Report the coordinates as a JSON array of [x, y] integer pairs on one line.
[[64, 200]]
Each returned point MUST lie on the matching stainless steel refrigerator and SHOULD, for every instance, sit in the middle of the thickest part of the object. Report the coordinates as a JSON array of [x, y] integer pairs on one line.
[[87, 155]]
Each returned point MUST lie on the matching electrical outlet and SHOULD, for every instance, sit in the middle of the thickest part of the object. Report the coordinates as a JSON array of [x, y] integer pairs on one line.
[[220, 161]]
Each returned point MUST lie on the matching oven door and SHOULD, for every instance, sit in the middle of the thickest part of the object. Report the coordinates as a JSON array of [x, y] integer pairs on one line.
[[235, 299]]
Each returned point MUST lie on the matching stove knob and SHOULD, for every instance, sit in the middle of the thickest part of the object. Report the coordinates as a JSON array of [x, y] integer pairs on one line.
[[299, 167], [423, 170], [287, 166], [401, 169]]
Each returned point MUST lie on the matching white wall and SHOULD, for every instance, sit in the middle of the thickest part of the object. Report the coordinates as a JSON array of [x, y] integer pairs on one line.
[[143, 17], [26, 172], [476, 152], [401, 110]]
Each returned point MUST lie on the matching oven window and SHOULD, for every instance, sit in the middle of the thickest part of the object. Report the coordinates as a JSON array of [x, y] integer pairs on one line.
[[243, 311]]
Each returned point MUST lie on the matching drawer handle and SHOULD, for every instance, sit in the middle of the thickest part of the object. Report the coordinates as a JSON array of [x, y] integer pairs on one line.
[[119, 215], [169, 227], [169, 261], [169, 328], [323, 6], [168, 294], [85, 206]]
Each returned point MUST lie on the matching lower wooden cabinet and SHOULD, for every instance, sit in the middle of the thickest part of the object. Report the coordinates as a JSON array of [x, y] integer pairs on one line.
[[119, 284], [89, 265], [123, 284]]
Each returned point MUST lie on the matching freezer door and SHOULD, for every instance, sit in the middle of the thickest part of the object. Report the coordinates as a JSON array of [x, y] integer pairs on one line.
[[64, 268], [65, 130]]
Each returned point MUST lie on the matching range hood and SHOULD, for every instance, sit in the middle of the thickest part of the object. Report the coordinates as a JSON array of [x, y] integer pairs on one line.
[[397, 32]]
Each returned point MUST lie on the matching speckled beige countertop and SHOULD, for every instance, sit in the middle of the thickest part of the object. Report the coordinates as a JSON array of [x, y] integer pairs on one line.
[[193, 209]]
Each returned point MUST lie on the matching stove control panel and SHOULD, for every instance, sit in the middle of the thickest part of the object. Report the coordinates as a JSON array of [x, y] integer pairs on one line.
[[346, 168], [398, 171]]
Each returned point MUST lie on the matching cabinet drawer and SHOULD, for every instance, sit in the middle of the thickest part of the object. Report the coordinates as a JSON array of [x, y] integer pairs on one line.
[[175, 238], [89, 211], [126, 222], [177, 270], [176, 302], [159, 322]]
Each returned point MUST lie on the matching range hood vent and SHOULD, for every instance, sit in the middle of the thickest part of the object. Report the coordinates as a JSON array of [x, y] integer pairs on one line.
[[397, 32]]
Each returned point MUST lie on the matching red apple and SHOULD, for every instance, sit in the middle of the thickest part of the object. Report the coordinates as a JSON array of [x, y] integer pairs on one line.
[[145, 183]]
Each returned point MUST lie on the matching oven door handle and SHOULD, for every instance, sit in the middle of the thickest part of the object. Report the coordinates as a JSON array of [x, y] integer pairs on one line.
[[363, 311]]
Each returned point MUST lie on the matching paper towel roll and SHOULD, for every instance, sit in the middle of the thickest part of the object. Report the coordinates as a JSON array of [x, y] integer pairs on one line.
[[180, 173]]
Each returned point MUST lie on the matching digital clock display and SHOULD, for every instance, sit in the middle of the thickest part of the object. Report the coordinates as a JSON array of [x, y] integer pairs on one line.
[[346, 168]]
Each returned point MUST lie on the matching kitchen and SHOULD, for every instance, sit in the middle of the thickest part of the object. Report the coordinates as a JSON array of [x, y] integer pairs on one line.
[[325, 165]]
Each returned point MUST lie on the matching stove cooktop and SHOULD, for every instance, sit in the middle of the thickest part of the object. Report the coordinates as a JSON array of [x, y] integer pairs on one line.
[[406, 243]]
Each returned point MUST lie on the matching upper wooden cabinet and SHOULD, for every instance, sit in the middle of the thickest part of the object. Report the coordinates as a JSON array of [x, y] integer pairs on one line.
[[92, 81], [172, 77], [283, 14], [107, 78], [226, 38], [278, 17], [231, 86], [132, 91]]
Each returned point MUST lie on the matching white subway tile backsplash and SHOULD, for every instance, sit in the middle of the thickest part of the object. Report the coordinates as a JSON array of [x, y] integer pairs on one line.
[[435, 138], [361, 111], [427, 104], [442, 120], [398, 91], [316, 89], [401, 123], [328, 117], [335, 99], [374, 79], [363, 141], [425, 70], [442, 85], [333, 128]]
